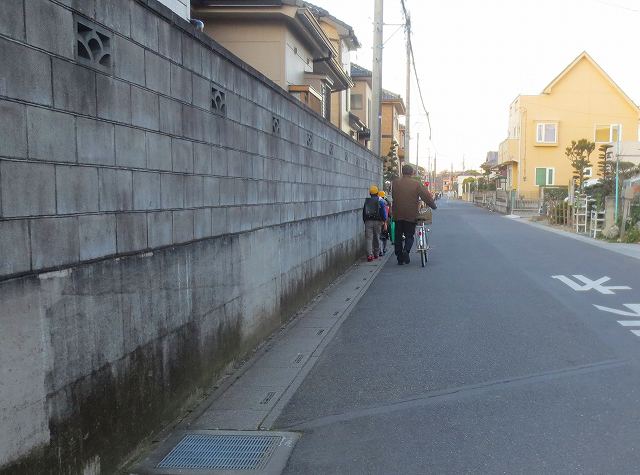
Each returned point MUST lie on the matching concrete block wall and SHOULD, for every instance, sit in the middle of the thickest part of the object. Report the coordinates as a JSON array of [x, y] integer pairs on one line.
[[161, 212]]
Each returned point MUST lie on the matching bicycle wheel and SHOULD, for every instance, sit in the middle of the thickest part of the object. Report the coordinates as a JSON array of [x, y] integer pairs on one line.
[[423, 257]]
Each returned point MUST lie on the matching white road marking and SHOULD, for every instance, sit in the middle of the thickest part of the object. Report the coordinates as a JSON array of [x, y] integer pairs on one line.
[[629, 323], [634, 307], [636, 332], [590, 284]]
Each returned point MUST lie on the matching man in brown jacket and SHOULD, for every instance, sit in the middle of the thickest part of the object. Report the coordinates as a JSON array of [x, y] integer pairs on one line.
[[406, 191]]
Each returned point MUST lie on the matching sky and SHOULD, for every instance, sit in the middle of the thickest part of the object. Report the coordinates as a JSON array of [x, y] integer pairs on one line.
[[474, 57]]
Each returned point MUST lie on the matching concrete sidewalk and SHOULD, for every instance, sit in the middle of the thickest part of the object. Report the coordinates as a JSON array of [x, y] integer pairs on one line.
[[252, 398], [630, 250]]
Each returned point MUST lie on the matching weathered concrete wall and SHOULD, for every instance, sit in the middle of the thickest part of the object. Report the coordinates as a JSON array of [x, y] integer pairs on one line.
[[161, 212]]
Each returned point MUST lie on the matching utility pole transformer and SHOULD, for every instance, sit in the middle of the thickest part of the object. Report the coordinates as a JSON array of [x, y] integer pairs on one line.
[[407, 120], [376, 78]]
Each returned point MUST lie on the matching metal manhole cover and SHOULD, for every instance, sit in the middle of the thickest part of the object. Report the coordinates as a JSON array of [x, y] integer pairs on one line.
[[210, 452], [221, 452]]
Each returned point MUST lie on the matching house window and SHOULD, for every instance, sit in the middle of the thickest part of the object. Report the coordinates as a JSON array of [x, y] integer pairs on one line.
[[608, 133], [369, 115], [588, 172], [547, 132], [356, 101], [544, 176]]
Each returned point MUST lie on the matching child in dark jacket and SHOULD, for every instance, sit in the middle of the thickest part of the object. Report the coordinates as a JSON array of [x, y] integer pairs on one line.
[[374, 215]]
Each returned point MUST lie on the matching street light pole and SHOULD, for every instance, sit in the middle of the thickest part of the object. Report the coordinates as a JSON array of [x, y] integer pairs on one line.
[[376, 77]]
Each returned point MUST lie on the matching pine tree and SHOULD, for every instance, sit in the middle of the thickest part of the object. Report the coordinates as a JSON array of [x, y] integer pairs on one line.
[[579, 155], [605, 169], [390, 163]]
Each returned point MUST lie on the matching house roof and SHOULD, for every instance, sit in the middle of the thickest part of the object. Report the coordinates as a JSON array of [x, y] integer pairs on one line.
[[393, 98], [246, 3], [586, 57], [347, 31], [358, 71], [302, 19], [318, 12]]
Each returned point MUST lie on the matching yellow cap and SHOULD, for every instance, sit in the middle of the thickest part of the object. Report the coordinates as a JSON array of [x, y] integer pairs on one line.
[[373, 190], [381, 194]]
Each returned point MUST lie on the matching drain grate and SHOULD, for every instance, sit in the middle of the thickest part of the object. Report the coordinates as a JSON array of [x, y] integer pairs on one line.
[[320, 332], [299, 358], [221, 452]]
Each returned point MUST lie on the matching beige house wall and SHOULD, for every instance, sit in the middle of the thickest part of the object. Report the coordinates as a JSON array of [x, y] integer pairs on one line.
[[339, 100], [389, 127], [364, 113], [298, 60], [259, 43]]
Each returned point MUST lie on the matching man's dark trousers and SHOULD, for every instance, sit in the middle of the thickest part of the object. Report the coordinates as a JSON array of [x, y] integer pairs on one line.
[[408, 229]]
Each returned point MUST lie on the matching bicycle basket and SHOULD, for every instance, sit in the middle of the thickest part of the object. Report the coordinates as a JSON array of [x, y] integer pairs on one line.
[[425, 215]]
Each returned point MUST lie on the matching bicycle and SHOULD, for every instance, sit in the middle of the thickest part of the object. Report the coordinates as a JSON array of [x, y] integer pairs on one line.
[[422, 242]]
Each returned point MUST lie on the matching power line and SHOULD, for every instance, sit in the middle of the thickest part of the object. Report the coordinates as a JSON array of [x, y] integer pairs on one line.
[[614, 5], [413, 63], [415, 72]]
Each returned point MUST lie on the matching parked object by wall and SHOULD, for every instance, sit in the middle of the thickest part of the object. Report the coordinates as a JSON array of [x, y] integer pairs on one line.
[[163, 208]]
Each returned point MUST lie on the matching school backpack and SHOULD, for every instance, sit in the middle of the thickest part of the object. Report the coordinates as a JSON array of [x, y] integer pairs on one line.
[[372, 208]]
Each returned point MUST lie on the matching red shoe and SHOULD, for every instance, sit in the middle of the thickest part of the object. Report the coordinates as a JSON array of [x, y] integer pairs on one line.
[[369, 258], [375, 256]]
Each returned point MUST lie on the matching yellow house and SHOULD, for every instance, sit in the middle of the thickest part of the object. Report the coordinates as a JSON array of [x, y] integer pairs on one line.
[[581, 102]]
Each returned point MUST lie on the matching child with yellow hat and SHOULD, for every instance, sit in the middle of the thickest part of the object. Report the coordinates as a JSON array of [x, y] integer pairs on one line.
[[374, 215]]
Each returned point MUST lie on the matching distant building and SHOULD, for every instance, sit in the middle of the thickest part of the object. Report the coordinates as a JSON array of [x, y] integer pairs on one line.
[[344, 40], [361, 95], [492, 158], [289, 44], [581, 102], [392, 109], [629, 151]]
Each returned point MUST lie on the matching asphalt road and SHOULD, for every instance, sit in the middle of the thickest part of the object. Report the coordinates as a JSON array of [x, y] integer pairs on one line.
[[481, 362]]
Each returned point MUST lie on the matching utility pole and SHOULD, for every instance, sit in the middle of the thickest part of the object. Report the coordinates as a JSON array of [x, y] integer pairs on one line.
[[435, 170], [417, 149], [376, 78], [451, 179], [407, 120], [429, 167]]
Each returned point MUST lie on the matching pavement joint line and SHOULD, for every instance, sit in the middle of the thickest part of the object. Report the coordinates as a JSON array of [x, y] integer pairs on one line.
[[276, 403], [199, 408], [226, 382], [451, 394], [285, 397], [613, 247]]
